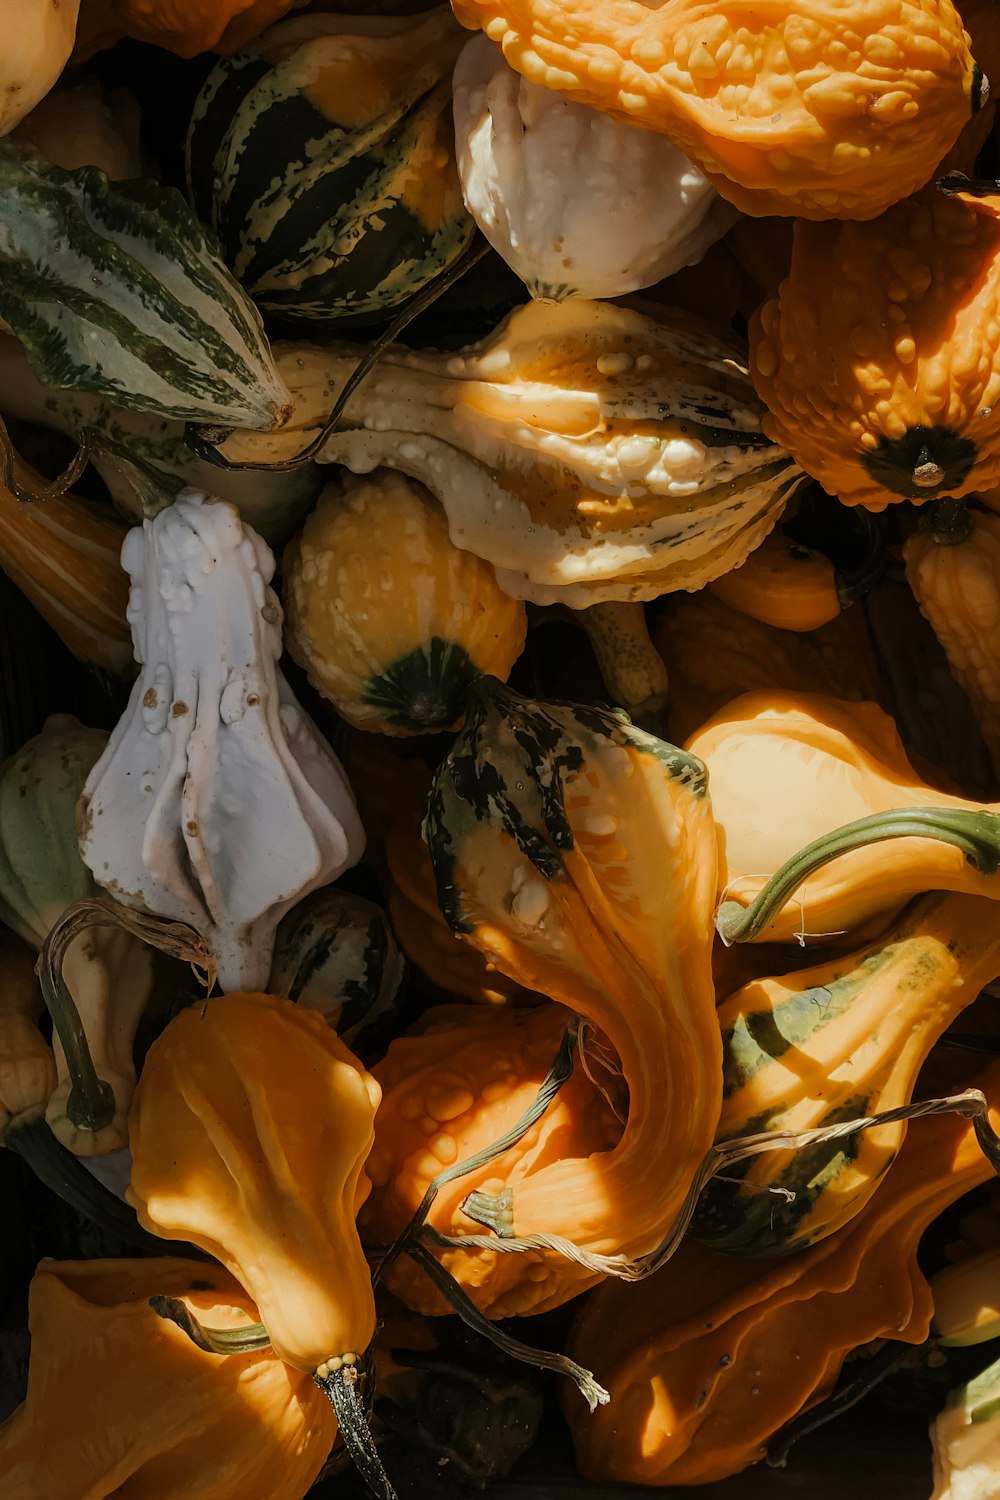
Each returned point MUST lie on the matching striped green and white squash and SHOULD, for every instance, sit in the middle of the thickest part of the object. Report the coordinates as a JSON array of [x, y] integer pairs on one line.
[[591, 454], [323, 156], [117, 288], [335, 953]]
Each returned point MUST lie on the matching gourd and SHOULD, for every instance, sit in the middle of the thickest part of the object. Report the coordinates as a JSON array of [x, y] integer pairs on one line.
[[716, 653], [116, 288], [967, 1300], [578, 204], [63, 554], [953, 568], [964, 1438], [707, 1360], [323, 157], [107, 972], [186, 30], [790, 115], [27, 1067], [782, 583], [588, 452], [77, 125], [144, 459], [37, 43], [335, 953], [837, 1041], [212, 729], [887, 386], [220, 1158], [816, 764], [121, 1402], [578, 855], [390, 620]]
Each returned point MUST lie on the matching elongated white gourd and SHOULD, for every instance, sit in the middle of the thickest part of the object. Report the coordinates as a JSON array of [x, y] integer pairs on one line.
[[217, 801]]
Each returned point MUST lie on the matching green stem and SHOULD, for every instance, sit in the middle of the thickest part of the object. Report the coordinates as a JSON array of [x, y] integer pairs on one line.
[[976, 834], [594, 1394], [557, 1075], [204, 441], [247, 1340], [344, 1389], [66, 1176]]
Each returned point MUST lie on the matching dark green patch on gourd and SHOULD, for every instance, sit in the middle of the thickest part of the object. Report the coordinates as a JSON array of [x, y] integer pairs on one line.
[[924, 463], [740, 1218], [425, 689]]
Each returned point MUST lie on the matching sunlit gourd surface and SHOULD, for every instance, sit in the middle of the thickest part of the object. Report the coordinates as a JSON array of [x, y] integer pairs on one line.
[[499, 748]]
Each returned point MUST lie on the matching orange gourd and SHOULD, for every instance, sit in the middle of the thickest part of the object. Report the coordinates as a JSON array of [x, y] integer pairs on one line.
[[121, 1402], [177, 25], [707, 1360], [884, 381], [833, 112]]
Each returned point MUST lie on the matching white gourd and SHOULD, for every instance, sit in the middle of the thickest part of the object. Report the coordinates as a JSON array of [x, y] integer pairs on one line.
[[36, 39], [217, 802], [578, 204]]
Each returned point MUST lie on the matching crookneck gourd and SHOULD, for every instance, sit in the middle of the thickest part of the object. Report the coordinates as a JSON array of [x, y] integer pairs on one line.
[[323, 156], [886, 384], [121, 1402], [220, 1158], [217, 802], [578, 204], [587, 451], [953, 568], [390, 619], [713, 1354], [822, 114], [578, 854], [816, 765], [832, 1042]]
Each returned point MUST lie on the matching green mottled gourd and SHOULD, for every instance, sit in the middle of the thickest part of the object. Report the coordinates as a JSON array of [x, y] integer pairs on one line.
[[588, 452], [323, 156], [835, 1042], [390, 619]]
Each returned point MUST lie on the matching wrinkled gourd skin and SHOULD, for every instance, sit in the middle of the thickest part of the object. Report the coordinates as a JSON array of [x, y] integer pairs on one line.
[[578, 204], [177, 25], [837, 1041], [588, 452], [578, 854], [455, 1084], [712, 1355], [816, 763], [121, 1402], [958, 590], [249, 1133], [831, 113], [211, 730], [884, 381], [390, 619]]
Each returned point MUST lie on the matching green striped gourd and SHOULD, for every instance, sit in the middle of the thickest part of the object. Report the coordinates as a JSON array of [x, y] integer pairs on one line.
[[590, 453], [831, 1043], [334, 952], [117, 288], [323, 155]]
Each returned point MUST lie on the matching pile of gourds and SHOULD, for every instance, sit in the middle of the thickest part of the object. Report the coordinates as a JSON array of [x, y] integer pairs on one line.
[[394, 948]]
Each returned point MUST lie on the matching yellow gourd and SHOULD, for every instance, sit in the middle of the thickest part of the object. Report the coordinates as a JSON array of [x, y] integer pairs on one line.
[[782, 583]]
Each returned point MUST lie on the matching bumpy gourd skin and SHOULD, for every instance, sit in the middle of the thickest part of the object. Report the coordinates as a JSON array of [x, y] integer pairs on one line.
[[249, 1132], [888, 333], [120, 1402], [834, 111], [711, 1356]]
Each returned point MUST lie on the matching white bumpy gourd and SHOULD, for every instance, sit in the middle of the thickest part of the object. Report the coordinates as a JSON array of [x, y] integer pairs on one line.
[[578, 204], [217, 802]]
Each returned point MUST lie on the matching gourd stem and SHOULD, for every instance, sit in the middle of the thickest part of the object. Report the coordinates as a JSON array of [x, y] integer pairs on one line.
[[66, 1176], [632, 668], [246, 1340], [976, 834], [594, 1394], [204, 441], [553, 1081], [876, 1368], [56, 487], [91, 1102], [343, 1389], [949, 523]]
